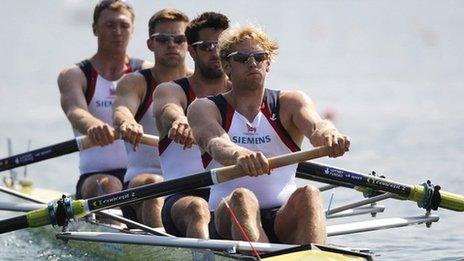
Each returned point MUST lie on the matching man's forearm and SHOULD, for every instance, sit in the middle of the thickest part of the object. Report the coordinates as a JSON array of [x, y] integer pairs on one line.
[[223, 151], [82, 120], [121, 115], [322, 127], [169, 114]]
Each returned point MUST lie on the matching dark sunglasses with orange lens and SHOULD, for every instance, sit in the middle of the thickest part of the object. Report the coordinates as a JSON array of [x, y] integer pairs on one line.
[[205, 46], [245, 57], [164, 38]]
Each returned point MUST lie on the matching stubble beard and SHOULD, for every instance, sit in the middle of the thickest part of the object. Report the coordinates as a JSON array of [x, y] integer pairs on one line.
[[210, 73]]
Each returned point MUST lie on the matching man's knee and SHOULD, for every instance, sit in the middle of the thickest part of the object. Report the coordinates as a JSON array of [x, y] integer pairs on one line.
[[144, 179], [243, 196], [100, 184], [307, 193], [198, 209]]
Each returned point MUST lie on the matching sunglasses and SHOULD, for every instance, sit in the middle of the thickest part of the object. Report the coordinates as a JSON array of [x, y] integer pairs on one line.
[[205, 46], [164, 38], [245, 57]]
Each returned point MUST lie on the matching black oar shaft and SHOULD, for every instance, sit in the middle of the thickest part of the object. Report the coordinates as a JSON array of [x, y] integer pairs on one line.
[[37, 155], [417, 193], [14, 223], [194, 181], [354, 178], [150, 191]]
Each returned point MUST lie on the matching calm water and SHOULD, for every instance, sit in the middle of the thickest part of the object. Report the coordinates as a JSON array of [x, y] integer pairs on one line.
[[393, 71]]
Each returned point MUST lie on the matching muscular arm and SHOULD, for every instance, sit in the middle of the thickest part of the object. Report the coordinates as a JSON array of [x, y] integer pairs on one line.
[[72, 83], [169, 103], [129, 94], [205, 121], [300, 118]]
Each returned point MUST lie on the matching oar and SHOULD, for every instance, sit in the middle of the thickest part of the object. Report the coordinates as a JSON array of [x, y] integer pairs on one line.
[[417, 193], [82, 207], [56, 150]]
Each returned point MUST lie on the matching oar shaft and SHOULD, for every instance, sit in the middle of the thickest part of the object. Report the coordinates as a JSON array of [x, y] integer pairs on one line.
[[415, 193], [233, 172], [13, 224], [60, 149], [203, 179], [37, 155], [449, 200], [82, 207]]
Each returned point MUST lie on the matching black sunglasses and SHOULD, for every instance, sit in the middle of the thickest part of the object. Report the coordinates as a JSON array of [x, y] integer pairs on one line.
[[164, 38], [205, 46], [245, 57]]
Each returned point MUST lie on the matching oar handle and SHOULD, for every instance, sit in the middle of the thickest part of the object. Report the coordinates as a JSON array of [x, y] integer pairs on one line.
[[84, 142], [232, 172], [14, 223], [150, 140]]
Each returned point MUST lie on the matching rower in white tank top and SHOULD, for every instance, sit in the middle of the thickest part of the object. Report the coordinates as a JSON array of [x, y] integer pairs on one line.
[[145, 159], [265, 134], [177, 162], [100, 94]]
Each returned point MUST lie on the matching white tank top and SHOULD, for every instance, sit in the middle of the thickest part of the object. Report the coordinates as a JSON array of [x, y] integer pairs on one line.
[[265, 134], [177, 162], [145, 159], [100, 94]]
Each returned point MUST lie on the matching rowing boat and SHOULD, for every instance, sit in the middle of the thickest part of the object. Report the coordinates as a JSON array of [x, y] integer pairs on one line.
[[114, 240]]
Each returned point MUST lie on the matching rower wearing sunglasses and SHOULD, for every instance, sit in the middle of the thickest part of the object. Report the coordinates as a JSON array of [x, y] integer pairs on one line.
[[133, 108], [245, 126], [187, 213]]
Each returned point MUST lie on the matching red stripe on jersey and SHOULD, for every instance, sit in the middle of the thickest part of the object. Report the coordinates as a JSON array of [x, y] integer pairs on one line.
[[206, 159], [91, 88], [163, 144], [278, 129], [191, 96]]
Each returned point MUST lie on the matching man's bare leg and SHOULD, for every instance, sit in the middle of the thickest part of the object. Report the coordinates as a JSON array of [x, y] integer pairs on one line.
[[245, 206], [301, 220], [148, 211], [100, 184], [191, 216]]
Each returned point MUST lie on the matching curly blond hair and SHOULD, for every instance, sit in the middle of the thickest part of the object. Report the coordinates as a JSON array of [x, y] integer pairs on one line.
[[235, 35]]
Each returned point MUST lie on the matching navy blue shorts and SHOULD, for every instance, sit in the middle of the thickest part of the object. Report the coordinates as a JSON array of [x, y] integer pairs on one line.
[[118, 173], [127, 210], [168, 223], [268, 216]]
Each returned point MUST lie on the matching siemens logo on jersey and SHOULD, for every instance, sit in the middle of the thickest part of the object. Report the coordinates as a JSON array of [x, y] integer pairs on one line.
[[104, 103], [251, 140]]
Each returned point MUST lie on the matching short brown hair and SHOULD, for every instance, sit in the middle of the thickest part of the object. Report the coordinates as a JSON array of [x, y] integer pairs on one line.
[[166, 15], [213, 20], [114, 5], [235, 35]]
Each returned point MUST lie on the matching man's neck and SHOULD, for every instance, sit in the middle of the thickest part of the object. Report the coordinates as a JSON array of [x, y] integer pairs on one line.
[[203, 86], [111, 66], [246, 102], [165, 74]]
